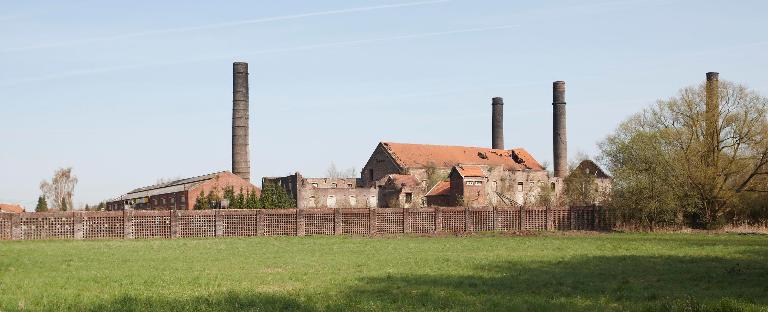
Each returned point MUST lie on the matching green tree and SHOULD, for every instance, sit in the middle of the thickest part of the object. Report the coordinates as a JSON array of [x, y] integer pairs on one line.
[[252, 201], [201, 202], [240, 199], [666, 164], [101, 206], [42, 204], [214, 200], [274, 196]]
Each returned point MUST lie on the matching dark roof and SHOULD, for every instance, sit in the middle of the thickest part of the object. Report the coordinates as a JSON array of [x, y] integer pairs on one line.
[[591, 168], [177, 182], [425, 155]]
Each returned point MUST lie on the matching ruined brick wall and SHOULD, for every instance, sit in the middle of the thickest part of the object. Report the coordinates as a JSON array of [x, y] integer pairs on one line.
[[379, 165], [338, 198]]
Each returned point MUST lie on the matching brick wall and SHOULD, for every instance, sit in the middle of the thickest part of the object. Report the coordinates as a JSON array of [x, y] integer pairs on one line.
[[135, 224]]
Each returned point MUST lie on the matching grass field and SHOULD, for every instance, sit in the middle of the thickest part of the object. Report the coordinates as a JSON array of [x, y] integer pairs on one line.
[[554, 272]]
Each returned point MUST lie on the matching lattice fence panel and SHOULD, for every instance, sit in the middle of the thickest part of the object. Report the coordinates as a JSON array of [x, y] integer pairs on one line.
[[482, 221], [508, 220], [454, 221], [421, 222], [197, 226], [606, 219], [561, 219], [536, 219], [389, 222], [585, 219], [318, 224], [47, 227], [280, 224], [103, 226], [151, 226], [239, 225], [5, 227], [355, 222]]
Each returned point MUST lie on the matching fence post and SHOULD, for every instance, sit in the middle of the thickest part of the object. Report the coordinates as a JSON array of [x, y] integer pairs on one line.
[[406, 220], [337, 221], [596, 211], [495, 215], [260, 229], [174, 223], [371, 221], [550, 217], [219, 223], [574, 220], [300, 223], [77, 221], [16, 226], [468, 220], [522, 218], [438, 220], [128, 224]]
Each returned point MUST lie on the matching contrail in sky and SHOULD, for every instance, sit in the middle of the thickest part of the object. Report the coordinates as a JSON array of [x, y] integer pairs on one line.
[[86, 72], [221, 25]]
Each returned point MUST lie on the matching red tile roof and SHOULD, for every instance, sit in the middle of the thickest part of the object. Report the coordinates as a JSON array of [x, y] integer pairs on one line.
[[424, 155], [442, 188], [470, 171], [11, 208], [400, 180]]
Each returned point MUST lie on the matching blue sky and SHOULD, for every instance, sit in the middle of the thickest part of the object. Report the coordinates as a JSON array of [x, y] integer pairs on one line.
[[130, 92]]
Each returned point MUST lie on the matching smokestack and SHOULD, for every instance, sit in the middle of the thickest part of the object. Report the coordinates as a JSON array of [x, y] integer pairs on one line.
[[559, 138], [712, 112], [241, 165], [497, 123]]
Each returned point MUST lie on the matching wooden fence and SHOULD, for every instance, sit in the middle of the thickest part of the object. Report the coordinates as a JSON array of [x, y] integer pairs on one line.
[[132, 224]]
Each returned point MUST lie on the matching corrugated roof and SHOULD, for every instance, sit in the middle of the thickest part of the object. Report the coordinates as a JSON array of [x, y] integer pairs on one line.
[[11, 208], [179, 182], [425, 155], [470, 171], [442, 188]]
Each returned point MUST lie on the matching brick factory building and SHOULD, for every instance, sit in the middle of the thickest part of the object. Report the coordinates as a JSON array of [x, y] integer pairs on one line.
[[182, 193], [179, 194], [418, 175], [401, 175]]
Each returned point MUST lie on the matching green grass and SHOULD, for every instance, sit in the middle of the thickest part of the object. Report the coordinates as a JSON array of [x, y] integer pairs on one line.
[[685, 272]]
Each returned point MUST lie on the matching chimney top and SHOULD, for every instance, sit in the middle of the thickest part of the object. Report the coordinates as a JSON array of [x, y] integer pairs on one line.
[[713, 75], [497, 101], [558, 92]]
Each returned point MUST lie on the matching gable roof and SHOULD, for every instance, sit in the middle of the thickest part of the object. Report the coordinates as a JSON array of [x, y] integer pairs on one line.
[[11, 208], [446, 156], [442, 188], [591, 168], [470, 171]]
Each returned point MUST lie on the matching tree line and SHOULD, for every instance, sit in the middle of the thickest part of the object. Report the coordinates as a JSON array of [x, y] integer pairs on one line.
[[697, 159], [272, 196]]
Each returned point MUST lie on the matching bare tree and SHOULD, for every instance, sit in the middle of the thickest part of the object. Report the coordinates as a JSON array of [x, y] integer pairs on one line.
[[60, 189], [333, 172]]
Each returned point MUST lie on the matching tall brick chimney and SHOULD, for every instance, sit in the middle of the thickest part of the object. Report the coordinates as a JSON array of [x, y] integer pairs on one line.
[[559, 138], [241, 165], [712, 112], [497, 123]]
